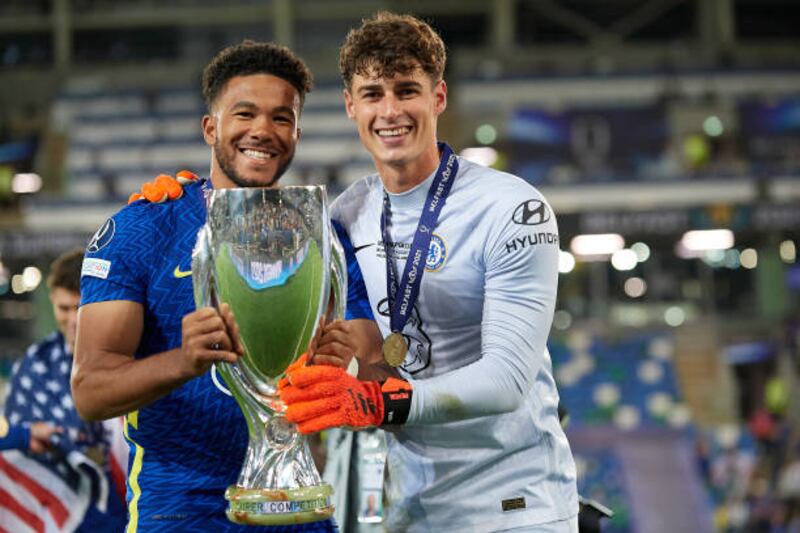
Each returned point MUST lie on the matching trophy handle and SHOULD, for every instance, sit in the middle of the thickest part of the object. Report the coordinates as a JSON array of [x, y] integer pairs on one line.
[[202, 270], [338, 279]]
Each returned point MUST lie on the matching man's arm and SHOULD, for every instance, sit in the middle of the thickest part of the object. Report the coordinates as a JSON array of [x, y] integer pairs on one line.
[[14, 437], [34, 437], [358, 336], [519, 299], [107, 380]]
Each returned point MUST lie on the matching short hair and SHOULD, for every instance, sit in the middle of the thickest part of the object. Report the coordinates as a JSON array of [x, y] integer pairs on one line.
[[65, 271], [251, 57], [392, 44]]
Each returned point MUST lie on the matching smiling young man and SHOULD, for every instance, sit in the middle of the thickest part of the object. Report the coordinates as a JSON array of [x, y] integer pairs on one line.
[[143, 350], [461, 267]]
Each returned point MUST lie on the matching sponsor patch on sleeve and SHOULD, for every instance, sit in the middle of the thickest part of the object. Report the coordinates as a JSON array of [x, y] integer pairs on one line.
[[96, 268]]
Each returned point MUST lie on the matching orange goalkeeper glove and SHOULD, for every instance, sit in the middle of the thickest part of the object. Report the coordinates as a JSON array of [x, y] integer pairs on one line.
[[321, 397], [164, 188]]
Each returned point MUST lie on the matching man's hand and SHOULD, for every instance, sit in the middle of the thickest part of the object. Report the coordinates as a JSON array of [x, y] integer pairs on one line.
[[164, 187], [40, 436], [209, 336], [321, 397], [108, 381], [341, 340]]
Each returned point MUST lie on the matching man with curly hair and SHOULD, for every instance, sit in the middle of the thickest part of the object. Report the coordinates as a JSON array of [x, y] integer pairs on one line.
[[461, 267], [143, 350]]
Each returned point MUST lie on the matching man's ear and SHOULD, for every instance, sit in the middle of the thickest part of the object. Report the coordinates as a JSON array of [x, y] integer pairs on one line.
[[209, 129], [348, 104], [440, 97]]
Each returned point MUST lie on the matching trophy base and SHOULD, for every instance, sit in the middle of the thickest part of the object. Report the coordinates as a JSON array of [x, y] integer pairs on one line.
[[271, 507]]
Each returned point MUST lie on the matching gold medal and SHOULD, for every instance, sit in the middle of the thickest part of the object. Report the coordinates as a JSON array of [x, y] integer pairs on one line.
[[395, 349]]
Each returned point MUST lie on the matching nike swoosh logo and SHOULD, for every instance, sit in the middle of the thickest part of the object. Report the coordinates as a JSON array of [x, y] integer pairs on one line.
[[178, 273], [357, 249]]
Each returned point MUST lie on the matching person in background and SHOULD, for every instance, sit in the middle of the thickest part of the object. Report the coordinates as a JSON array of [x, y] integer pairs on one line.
[[460, 264], [144, 350], [40, 414]]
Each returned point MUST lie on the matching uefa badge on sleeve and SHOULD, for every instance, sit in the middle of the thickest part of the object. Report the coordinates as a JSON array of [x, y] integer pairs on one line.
[[102, 237]]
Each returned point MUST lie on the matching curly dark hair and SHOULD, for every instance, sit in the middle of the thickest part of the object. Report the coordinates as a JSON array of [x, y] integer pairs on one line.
[[65, 271], [392, 44], [251, 57]]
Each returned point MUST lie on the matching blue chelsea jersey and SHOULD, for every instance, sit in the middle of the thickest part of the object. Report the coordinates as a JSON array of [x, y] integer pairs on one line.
[[187, 447]]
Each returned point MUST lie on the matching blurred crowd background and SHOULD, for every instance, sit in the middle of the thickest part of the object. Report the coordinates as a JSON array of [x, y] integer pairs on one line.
[[665, 133]]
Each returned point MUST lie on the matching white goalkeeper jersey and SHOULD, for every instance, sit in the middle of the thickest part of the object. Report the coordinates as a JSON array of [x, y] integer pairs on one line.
[[482, 449]]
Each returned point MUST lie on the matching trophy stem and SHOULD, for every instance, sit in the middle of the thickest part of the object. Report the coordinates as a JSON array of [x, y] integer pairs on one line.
[[279, 483]]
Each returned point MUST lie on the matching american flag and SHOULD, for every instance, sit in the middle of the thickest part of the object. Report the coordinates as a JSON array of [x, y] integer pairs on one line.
[[37, 497], [51, 492]]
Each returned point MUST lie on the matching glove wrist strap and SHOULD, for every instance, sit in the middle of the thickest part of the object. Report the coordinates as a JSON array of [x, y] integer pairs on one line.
[[397, 395]]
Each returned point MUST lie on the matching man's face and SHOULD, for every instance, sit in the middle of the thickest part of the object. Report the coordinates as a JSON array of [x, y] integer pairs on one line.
[[253, 130], [396, 117], [65, 309]]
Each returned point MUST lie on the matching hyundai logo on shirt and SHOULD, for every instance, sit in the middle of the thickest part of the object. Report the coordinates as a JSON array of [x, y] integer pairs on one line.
[[531, 213]]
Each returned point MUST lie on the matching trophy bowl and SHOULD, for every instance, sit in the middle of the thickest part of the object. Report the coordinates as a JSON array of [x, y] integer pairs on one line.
[[273, 257]]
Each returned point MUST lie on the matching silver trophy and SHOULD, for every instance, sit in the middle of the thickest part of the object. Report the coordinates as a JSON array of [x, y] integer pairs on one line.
[[271, 255]]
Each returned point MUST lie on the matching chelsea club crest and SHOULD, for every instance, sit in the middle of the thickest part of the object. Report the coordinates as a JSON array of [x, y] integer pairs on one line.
[[437, 254]]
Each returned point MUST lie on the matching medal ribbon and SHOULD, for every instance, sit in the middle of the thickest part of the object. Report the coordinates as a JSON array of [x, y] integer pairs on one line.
[[402, 297]]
